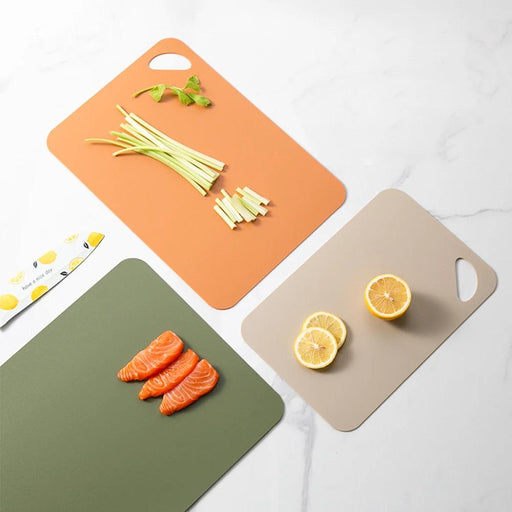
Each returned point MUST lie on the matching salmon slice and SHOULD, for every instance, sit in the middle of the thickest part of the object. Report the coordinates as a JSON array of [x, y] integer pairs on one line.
[[202, 380], [171, 376], [155, 357]]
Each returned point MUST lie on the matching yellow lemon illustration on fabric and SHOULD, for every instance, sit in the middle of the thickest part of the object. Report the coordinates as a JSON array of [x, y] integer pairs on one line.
[[8, 301], [94, 239], [74, 263], [47, 258], [38, 291], [18, 278], [71, 239]]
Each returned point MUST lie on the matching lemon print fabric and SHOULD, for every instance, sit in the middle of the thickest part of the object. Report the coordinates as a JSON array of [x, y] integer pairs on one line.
[[48, 258], [8, 302], [27, 286], [38, 291], [94, 239], [71, 239], [18, 278], [74, 263]]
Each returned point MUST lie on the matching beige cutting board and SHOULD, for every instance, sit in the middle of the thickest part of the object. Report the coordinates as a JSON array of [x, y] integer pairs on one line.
[[392, 234]]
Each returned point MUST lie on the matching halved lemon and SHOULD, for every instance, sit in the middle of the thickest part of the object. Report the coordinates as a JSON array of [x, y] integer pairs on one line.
[[38, 291], [8, 301], [387, 296], [315, 348], [47, 258], [95, 238], [330, 322]]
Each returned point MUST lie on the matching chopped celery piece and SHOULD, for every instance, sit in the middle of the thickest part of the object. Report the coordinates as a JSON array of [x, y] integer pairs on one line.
[[229, 205], [240, 191], [248, 206], [224, 217], [261, 199], [225, 194], [225, 210], [242, 210], [260, 209]]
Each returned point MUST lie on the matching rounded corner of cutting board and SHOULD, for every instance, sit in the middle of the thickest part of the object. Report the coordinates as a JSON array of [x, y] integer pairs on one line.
[[349, 426], [219, 302], [51, 140], [390, 192], [342, 195], [280, 407], [133, 262]]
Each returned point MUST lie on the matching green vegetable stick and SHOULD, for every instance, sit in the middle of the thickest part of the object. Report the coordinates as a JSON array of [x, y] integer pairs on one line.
[[225, 210], [212, 162], [224, 217], [244, 212], [248, 206], [246, 194], [261, 199], [260, 209], [227, 203]]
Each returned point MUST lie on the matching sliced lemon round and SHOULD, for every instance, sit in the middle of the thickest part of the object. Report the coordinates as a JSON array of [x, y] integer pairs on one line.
[[330, 322], [387, 296], [315, 348], [74, 263], [70, 239]]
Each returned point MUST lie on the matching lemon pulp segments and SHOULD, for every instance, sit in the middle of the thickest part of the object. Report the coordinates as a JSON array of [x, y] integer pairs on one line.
[[387, 296], [330, 322], [315, 348]]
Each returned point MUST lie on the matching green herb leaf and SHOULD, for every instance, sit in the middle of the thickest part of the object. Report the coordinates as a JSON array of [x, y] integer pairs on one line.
[[200, 100], [157, 91], [185, 95], [193, 83], [184, 98]]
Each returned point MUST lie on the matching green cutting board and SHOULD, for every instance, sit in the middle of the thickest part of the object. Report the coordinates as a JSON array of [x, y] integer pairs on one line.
[[73, 438]]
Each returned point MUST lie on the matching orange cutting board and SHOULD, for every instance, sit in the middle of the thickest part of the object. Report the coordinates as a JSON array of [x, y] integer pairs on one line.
[[165, 211]]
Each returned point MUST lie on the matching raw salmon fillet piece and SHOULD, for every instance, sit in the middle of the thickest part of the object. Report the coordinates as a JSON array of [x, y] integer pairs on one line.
[[202, 380], [155, 357], [171, 376]]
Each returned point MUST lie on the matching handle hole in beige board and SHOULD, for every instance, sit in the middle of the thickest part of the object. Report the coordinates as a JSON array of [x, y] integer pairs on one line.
[[467, 281], [170, 61]]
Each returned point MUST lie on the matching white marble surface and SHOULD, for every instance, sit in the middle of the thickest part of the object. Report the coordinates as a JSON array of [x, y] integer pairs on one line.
[[410, 94]]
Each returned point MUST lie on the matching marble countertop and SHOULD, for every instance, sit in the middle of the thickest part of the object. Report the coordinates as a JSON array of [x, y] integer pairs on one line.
[[412, 94]]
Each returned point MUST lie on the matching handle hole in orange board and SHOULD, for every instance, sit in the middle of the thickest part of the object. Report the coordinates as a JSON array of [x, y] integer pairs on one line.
[[170, 61], [466, 279]]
